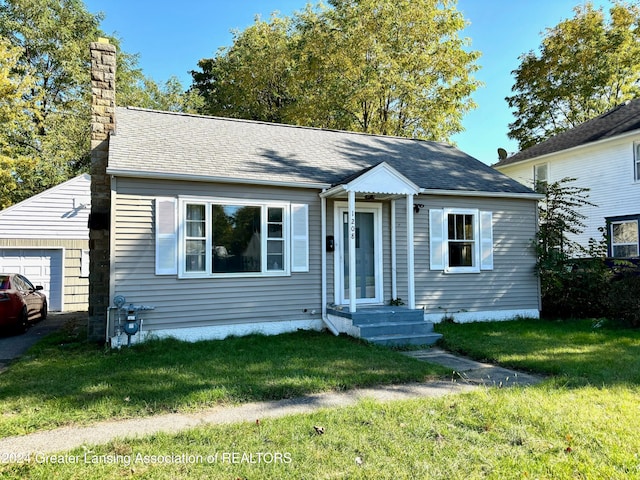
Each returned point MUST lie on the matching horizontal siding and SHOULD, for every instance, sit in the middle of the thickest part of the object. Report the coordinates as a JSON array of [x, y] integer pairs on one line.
[[60, 212], [511, 285], [203, 302], [606, 169], [76, 288]]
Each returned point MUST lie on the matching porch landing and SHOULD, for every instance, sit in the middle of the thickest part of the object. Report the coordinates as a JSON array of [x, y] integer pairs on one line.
[[385, 325]]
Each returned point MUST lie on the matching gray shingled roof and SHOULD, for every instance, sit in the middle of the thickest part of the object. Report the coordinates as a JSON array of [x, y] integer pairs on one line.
[[621, 119], [165, 144]]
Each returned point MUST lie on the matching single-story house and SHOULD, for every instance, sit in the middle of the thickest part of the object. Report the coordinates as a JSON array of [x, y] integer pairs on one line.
[[46, 238], [602, 155], [229, 226]]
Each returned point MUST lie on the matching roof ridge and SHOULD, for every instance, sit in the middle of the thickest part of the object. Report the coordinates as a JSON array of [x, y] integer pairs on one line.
[[278, 124]]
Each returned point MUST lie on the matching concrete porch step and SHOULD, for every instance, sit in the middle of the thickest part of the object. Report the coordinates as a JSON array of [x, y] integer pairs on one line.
[[388, 325], [410, 339], [396, 328]]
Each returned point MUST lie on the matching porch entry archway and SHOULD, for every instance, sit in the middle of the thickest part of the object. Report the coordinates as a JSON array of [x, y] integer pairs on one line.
[[359, 235]]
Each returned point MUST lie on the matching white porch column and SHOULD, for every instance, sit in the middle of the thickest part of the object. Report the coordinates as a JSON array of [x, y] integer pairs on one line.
[[352, 251], [394, 283], [410, 270]]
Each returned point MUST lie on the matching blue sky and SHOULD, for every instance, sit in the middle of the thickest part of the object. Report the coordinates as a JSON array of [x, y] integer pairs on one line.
[[170, 37]]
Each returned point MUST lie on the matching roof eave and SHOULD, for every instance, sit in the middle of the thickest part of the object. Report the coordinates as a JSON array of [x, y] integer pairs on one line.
[[212, 179], [537, 158], [470, 193]]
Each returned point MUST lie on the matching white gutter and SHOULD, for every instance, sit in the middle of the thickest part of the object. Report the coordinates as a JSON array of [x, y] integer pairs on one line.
[[323, 235], [466, 193], [211, 179]]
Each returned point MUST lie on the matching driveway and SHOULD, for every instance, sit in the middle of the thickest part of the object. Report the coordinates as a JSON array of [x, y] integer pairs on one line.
[[12, 346]]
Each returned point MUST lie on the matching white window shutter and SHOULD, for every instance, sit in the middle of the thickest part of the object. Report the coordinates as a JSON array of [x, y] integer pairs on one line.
[[299, 237], [166, 236], [84, 264], [436, 239], [486, 241]]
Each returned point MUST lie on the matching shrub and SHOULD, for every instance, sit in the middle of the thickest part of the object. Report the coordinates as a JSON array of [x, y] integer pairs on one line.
[[623, 299]]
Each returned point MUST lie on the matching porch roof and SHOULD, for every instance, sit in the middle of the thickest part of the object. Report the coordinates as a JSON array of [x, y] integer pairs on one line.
[[379, 182]]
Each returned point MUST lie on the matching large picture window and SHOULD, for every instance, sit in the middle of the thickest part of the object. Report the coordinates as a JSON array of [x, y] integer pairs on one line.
[[210, 237], [225, 237]]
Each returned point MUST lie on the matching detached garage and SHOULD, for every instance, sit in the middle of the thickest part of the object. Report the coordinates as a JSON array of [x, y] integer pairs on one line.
[[46, 239]]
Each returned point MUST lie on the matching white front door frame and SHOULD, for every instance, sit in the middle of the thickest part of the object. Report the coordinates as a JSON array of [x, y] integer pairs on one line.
[[340, 208]]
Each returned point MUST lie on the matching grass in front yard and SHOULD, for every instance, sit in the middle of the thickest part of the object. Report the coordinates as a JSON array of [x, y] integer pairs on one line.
[[571, 426], [493, 433], [579, 352], [62, 381]]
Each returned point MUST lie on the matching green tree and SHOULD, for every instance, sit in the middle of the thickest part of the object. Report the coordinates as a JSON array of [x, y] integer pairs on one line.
[[48, 45], [570, 286], [14, 120], [586, 65], [394, 67], [252, 78]]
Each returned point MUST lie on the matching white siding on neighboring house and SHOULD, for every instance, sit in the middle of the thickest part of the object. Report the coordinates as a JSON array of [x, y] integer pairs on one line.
[[60, 212], [606, 168], [46, 238]]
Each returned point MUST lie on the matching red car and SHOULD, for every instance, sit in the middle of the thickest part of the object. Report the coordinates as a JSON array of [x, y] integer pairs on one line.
[[20, 302]]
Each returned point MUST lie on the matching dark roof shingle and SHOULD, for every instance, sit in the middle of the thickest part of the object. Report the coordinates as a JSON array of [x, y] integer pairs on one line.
[[165, 143], [621, 119]]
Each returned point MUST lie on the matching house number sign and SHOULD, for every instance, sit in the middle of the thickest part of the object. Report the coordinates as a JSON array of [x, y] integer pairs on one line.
[[352, 226]]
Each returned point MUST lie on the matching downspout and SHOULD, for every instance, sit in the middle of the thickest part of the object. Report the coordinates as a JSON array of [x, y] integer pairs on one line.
[[112, 249], [323, 235]]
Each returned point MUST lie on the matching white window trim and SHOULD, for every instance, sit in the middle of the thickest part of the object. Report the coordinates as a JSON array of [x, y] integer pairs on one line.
[[476, 240], [535, 176], [208, 201], [635, 244]]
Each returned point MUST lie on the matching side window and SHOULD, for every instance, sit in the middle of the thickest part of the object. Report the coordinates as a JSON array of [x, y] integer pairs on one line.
[[21, 283], [461, 240], [624, 238], [541, 174]]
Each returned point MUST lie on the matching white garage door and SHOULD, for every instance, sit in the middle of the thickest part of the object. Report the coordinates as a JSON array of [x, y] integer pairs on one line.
[[40, 266]]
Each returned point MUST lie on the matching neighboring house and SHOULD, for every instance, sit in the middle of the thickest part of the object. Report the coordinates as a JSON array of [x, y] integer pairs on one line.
[[229, 226], [46, 239], [603, 155]]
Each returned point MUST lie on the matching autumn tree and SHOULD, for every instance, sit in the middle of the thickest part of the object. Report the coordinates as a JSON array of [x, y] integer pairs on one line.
[[46, 51], [15, 87], [376, 66], [586, 65]]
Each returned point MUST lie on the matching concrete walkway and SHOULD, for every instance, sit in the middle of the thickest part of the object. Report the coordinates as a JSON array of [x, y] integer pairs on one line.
[[466, 375]]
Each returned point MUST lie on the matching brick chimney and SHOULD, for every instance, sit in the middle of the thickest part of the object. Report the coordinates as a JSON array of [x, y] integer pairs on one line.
[[103, 104]]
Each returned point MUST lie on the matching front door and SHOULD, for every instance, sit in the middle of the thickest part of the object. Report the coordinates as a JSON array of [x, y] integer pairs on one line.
[[368, 255]]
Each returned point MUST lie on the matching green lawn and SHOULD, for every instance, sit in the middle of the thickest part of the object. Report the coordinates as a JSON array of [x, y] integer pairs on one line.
[[65, 381], [572, 426], [577, 352]]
